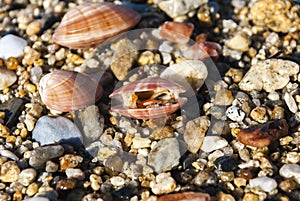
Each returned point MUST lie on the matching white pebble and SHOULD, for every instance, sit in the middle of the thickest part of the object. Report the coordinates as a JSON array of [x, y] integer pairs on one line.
[[8, 154], [290, 170], [212, 143], [117, 181], [266, 184], [290, 102], [235, 113], [11, 46]]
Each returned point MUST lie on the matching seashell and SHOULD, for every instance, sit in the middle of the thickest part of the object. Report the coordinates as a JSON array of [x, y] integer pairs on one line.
[[149, 98], [65, 91], [89, 24]]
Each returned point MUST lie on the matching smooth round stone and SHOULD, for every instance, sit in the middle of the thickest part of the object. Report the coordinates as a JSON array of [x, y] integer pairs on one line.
[[266, 184], [235, 113], [7, 78], [11, 46], [290, 170], [49, 130], [9, 172], [27, 176], [163, 184], [75, 173]]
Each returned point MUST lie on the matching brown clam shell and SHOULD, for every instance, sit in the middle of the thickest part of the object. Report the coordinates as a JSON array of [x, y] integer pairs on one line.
[[65, 91], [89, 24], [148, 84]]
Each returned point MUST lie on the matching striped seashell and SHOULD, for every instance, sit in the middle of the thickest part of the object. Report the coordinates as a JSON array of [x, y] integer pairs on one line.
[[89, 24], [149, 98], [65, 91]]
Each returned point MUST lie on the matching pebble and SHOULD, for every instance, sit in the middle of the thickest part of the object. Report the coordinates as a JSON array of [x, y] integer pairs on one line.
[[235, 113], [262, 135], [33, 28], [40, 155], [92, 124], [66, 184], [117, 181], [11, 46], [290, 102], [188, 73], [270, 75], [212, 143], [186, 196], [122, 61], [259, 114], [177, 32], [194, 133], [27, 176], [9, 172], [161, 133], [164, 155], [7, 78], [290, 171], [69, 161], [175, 8], [138, 143], [51, 166], [223, 97], [37, 199], [266, 184], [75, 173], [36, 74], [57, 129], [238, 42], [163, 184], [8, 154], [262, 13], [225, 163]]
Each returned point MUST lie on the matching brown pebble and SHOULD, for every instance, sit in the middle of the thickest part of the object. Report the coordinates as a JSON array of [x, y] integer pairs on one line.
[[69, 161], [66, 184], [262, 135], [190, 196], [12, 63], [178, 32], [246, 174]]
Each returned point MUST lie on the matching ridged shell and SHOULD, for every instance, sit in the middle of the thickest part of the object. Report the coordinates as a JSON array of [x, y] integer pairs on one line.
[[89, 24], [69, 90], [149, 84]]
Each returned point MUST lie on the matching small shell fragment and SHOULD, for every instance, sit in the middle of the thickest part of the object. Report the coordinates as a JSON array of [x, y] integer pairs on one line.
[[178, 32], [89, 24], [149, 98], [65, 91]]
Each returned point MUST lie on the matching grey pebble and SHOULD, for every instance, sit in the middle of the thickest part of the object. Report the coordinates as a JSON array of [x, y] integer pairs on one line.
[[164, 155], [41, 155], [49, 130]]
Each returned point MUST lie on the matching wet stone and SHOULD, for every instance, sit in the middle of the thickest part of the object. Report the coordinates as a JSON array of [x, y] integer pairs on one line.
[[165, 155], [57, 129], [225, 163], [194, 133], [124, 193], [9, 172], [41, 155]]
